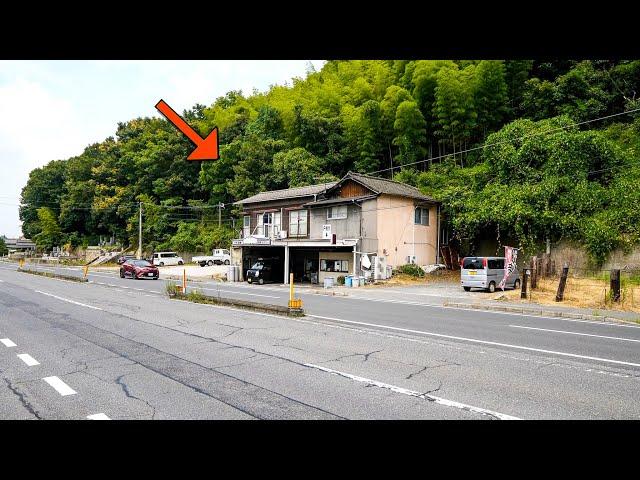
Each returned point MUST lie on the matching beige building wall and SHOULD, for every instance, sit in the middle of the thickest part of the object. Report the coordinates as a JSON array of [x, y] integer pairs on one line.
[[399, 237], [335, 256]]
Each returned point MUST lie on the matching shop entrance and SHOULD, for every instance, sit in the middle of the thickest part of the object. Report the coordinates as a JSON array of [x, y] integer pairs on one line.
[[304, 264]]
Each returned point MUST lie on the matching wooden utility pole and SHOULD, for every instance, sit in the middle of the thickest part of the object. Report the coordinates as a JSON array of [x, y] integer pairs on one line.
[[534, 273], [523, 291], [615, 285], [563, 283], [140, 234]]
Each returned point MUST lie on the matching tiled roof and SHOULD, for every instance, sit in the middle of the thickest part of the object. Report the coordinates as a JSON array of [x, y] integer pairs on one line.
[[334, 201], [307, 191], [389, 187]]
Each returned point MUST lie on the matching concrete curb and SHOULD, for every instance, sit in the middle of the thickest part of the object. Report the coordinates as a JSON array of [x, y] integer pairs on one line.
[[55, 275], [538, 312], [241, 304]]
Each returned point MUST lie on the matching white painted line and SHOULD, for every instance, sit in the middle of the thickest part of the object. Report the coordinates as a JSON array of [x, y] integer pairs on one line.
[[68, 300], [404, 391], [28, 359], [7, 343], [484, 342], [1, 281], [98, 416], [61, 387], [577, 333]]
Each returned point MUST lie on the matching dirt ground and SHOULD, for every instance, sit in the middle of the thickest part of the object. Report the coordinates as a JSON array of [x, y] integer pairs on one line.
[[438, 277], [582, 293]]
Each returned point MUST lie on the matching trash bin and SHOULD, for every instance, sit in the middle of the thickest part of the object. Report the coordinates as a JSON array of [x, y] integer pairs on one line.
[[231, 273], [361, 281], [328, 282], [348, 281]]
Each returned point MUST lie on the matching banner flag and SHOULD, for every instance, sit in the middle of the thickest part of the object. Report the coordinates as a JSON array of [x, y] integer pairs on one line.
[[510, 258]]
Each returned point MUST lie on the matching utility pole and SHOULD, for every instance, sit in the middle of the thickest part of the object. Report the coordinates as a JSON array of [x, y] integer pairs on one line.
[[140, 234], [220, 207]]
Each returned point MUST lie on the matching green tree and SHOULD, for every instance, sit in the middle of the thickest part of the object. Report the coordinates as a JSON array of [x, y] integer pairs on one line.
[[296, 167], [410, 132], [3, 247], [490, 95], [49, 234]]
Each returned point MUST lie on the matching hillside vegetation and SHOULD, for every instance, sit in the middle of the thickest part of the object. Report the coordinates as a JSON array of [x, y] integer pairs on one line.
[[515, 150]]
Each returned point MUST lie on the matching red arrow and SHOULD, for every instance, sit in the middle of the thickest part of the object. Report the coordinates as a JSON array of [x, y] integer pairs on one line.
[[206, 149]]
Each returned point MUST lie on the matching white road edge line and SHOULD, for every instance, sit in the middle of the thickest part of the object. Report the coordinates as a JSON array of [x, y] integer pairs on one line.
[[577, 333], [405, 391], [28, 359], [7, 343], [484, 342], [61, 387], [98, 416], [68, 300]]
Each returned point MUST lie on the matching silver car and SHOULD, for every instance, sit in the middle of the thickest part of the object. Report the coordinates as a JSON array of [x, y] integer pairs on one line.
[[486, 273]]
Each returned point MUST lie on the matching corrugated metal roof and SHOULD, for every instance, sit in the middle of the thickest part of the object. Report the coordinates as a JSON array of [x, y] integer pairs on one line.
[[307, 191]]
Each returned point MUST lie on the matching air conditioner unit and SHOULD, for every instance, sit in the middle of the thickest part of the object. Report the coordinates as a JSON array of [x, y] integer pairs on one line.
[[282, 234], [380, 268]]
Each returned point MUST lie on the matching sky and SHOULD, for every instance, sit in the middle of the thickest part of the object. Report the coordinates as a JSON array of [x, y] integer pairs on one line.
[[52, 110]]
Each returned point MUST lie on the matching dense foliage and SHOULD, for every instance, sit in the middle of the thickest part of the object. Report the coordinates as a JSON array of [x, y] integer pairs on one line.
[[538, 176]]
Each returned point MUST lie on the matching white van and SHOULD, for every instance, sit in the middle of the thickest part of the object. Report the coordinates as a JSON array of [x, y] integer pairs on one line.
[[486, 273], [167, 258]]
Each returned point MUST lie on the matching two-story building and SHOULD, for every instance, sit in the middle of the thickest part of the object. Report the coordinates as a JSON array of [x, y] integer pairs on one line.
[[327, 229]]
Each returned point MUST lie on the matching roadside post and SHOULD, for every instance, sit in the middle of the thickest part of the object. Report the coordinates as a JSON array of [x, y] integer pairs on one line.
[[85, 271], [294, 303], [184, 281], [21, 263], [525, 276], [563, 282], [615, 285]]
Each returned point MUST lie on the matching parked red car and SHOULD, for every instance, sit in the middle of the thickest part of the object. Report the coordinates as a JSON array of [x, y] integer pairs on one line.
[[138, 269]]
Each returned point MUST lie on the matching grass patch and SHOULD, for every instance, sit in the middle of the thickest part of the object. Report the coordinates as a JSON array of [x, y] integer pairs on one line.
[[592, 292]]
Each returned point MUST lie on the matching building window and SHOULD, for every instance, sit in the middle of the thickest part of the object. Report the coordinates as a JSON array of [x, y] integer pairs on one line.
[[246, 226], [268, 224], [334, 266], [298, 223], [337, 213], [422, 216]]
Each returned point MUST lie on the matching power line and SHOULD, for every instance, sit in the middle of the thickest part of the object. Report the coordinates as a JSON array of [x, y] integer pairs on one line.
[[505, 141]]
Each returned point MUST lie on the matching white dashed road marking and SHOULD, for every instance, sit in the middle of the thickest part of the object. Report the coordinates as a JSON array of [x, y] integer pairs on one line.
[[28, 359], [68, 300], [98, 416], [7, 343], [61, 387], [404, 391]]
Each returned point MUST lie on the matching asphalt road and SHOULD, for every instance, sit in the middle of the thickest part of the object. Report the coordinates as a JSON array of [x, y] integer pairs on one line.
[[126, 351]]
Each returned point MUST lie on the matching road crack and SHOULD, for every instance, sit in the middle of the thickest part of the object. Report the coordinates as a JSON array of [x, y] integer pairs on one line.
[[127, 392]]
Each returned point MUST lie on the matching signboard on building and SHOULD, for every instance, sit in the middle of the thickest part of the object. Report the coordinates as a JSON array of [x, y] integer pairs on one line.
[[251, 241], [326, 232]]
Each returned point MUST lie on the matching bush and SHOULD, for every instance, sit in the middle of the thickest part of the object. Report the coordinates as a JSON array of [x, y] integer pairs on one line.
[[340, 280], [173, 289], [411, 269]]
